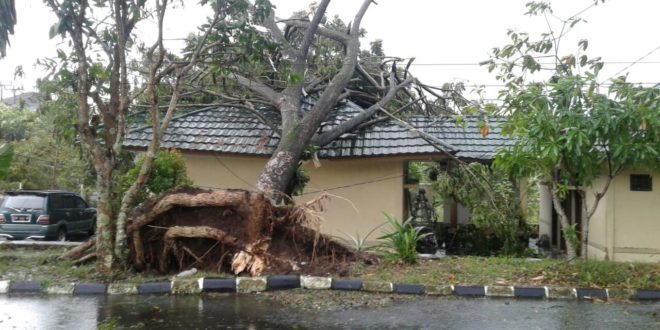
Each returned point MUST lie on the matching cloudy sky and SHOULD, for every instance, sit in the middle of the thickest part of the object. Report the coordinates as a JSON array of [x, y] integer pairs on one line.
[[447, 38]]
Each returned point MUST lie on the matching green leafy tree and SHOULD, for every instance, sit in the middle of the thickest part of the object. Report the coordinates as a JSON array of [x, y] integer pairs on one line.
[[41, 161], [7, 22], [15, 123], [566, 130], [101, 36]]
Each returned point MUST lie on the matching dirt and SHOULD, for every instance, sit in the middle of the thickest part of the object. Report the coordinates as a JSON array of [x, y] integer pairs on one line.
[[246, 217]]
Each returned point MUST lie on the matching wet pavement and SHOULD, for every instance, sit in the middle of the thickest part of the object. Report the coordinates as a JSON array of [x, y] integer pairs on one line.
[[256, 311]]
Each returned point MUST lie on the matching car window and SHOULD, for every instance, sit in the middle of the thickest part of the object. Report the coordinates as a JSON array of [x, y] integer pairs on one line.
[[24, 202], [56, 202], [69, 201], [80, 203]]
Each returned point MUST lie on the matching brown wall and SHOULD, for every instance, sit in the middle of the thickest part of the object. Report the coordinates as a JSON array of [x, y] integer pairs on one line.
[[361, 189]]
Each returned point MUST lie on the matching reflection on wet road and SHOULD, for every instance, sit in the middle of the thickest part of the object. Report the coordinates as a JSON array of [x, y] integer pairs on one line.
[[258, 312]]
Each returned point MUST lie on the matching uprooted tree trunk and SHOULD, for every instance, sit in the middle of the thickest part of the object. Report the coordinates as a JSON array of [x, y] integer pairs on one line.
[[233, 231]]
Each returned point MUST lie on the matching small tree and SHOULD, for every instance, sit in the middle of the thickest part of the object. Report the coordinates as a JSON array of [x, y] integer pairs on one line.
[[565, 130], [102, 84]]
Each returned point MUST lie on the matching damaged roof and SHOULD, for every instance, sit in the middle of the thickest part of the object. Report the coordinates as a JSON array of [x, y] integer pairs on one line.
[[232, 130]]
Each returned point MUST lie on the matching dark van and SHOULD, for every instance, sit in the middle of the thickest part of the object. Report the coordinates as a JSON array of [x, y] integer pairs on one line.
[[45, 215]]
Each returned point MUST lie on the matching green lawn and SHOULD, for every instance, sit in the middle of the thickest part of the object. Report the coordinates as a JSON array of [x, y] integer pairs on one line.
[[518, 271], [43, 265]]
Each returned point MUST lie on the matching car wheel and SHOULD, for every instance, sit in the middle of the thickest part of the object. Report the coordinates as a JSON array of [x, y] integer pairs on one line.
[[61, 235]]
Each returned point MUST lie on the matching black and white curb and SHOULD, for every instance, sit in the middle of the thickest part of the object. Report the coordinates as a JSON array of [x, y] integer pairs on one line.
[[286, 282]]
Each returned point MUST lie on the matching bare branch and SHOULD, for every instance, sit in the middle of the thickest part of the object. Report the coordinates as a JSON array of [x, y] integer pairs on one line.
[[276, 33], [322, 31], [329, 97], [364, 74], [350, 124], [260, 88]]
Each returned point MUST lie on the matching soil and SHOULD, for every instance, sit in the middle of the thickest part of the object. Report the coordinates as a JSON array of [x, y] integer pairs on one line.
[[293, 248]]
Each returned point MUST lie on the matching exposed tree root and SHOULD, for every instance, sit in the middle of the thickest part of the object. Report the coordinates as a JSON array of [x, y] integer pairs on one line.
[[234, 231], [79, 251], [84, 259]]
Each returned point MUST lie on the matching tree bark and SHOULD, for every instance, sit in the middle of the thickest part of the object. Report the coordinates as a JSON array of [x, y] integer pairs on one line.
[[565, 226]]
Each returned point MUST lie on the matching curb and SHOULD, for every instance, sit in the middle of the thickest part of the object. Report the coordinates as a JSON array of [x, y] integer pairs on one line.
[[286, 282]]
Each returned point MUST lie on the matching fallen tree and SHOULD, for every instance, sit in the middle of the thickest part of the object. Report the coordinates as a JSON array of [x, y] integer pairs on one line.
[[233, 231]]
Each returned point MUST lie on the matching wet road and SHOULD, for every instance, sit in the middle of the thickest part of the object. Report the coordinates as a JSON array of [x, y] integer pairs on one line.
[[257, 312]]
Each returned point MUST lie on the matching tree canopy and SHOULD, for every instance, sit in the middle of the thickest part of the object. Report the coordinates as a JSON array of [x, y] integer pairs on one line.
[[568, 128]]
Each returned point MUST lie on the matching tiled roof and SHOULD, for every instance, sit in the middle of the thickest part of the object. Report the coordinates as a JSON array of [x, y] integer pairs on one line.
[[237, 131]]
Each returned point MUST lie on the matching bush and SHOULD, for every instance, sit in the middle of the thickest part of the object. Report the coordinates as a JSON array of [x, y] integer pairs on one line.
[[401, 242], [168, 171]]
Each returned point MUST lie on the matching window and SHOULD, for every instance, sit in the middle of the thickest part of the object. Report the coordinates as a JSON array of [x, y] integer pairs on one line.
[[69, 201], [80, 203], [641, 182], [24, 202], [56, 201]]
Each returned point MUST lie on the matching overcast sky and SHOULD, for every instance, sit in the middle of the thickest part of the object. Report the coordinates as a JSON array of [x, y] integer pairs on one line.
[[447, 38]]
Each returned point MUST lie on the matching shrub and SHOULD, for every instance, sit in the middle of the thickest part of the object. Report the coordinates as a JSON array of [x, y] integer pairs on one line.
[[168, 171], [401, 243]]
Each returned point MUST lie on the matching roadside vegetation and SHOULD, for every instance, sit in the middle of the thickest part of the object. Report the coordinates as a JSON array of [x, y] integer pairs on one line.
[[519, 271], [43, 265]]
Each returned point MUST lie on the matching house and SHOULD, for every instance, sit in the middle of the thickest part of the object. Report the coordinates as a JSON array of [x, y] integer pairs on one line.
[[626, 225], [364, 171], [28, 100]]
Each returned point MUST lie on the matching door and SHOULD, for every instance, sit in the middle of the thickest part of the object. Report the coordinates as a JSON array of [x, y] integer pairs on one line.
[[72, 217], [85, 214]]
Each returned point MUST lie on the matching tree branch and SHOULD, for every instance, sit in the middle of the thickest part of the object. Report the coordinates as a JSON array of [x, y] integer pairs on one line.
[[329, 97], [322, 31], [348, 125]]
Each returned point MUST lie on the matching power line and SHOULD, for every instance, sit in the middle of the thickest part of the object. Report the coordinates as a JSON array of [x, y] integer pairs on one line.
[[635, 62], [548, 63], [354, 184]]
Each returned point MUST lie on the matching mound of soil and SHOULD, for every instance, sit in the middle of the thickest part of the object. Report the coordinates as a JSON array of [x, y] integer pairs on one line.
[[210, 230]]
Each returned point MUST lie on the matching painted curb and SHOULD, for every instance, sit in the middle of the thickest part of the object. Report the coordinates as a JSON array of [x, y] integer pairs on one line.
[[529, 292], [591, 293], [499, 291], [4, 287], [24, 287], [560, 293], [647, 295], [315, 282], [375, 286], [438, 290], [59, 289], [89, 288], [283, 282], [469, 291], [155, 288], [286, 282], [346, 285], [251, 284], [408, 288], [219, 285], [122, 288]]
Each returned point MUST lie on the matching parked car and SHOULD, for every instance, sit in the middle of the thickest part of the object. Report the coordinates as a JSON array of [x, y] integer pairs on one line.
[[45, 215]]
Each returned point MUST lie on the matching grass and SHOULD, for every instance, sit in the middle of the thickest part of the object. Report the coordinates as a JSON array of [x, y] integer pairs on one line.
[[519, 271], [42, 265]]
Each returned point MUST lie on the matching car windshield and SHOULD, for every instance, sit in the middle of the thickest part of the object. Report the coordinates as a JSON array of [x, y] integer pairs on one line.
[[24, 202]]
